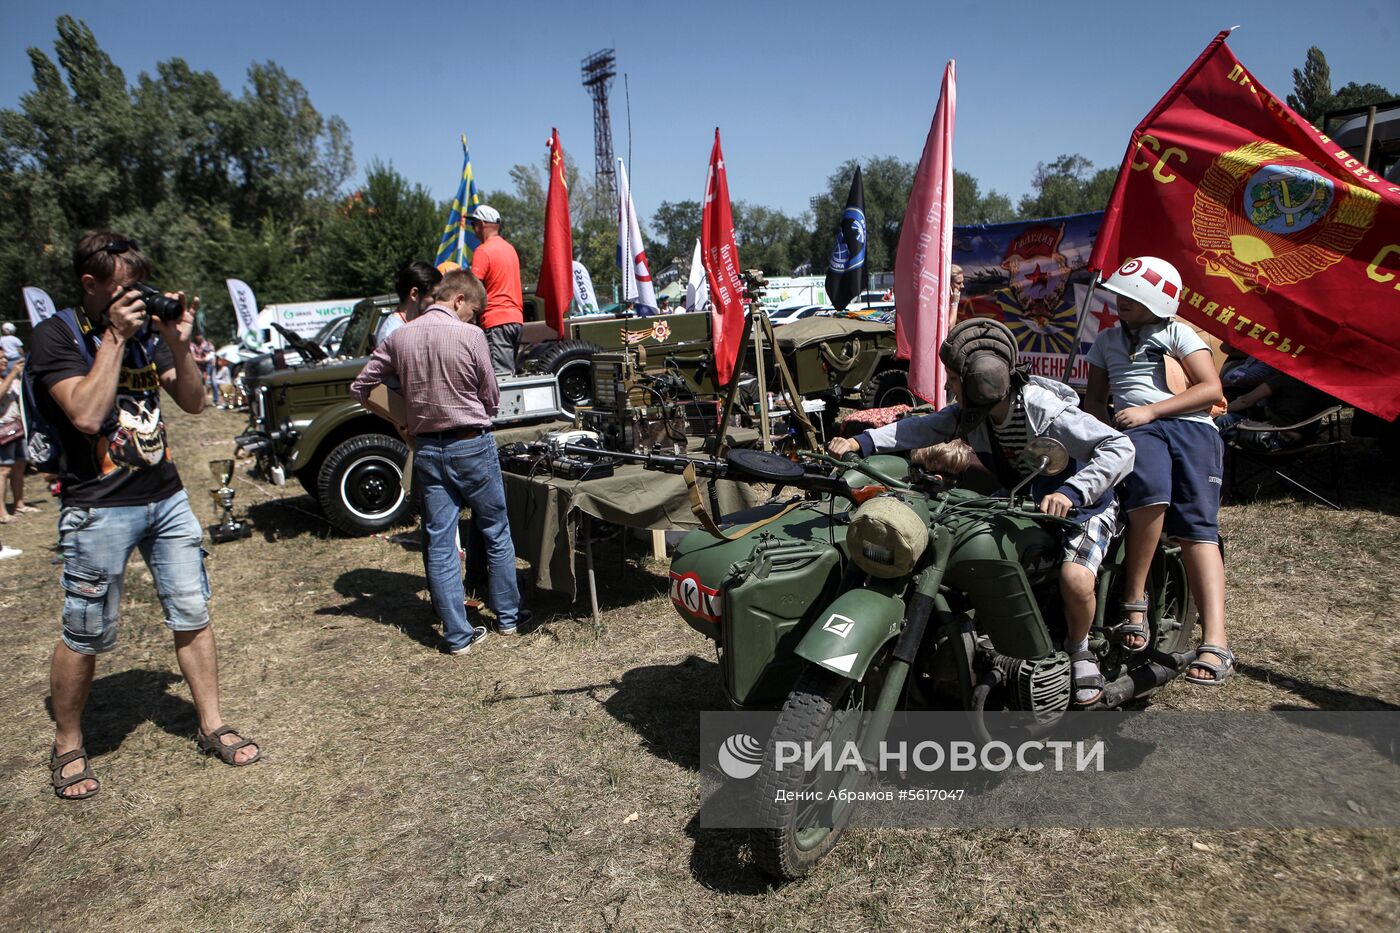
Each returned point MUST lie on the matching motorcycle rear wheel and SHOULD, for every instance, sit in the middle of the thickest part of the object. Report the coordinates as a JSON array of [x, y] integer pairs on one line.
[[796, 834], [1175, 610]]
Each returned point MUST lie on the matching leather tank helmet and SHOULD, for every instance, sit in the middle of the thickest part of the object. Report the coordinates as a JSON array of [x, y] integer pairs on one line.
[[984, 354]]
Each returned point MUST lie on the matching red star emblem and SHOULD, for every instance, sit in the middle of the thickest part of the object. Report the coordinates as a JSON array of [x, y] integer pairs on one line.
[[1036, 277], [1105, 316]]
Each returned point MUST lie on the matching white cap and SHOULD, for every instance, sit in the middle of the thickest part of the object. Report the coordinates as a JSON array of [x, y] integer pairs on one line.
[[485, 213], [8, 328]]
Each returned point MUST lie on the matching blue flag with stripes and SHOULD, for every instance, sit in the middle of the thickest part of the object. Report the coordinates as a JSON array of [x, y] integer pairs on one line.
[[458, 242]]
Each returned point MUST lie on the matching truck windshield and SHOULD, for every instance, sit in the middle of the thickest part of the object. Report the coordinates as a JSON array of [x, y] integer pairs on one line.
[[363, 321]]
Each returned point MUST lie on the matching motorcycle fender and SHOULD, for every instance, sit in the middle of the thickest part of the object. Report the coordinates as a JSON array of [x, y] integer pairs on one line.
[[846, 637]]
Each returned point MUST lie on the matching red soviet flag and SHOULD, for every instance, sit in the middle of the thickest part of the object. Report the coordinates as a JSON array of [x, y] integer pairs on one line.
[[1288, 248], [721, 259], [556, 285], [923, 261]]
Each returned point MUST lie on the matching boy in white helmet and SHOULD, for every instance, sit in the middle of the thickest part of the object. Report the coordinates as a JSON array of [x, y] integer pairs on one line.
[[1177, 473]]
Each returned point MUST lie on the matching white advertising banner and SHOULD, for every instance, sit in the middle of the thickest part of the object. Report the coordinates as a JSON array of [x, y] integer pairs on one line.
[[39, 303], [583, 289], [245, 306], [305, 318]]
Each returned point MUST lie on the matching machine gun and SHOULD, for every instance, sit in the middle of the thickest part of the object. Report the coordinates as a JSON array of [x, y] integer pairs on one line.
[[741, 465]]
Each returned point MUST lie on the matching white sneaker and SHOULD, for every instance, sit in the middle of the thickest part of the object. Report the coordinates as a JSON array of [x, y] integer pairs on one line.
[[7, 552]]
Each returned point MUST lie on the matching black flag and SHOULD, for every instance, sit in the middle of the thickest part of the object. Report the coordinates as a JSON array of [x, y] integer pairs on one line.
[[846, 275]]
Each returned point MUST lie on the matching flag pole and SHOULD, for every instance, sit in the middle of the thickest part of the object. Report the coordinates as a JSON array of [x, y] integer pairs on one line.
[[1079, 328]]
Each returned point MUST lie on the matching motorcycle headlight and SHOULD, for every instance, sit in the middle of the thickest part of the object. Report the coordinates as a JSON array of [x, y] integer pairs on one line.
[[886, 537]]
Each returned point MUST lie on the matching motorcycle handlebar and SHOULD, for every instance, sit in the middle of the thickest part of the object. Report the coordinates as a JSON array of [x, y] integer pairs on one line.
[[722, 469]]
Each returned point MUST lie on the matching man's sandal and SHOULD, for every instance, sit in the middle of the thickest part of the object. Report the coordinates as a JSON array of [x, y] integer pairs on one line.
[[58, 762], [213, 744], [1129, 627], [1219, 671], [1092, 681]]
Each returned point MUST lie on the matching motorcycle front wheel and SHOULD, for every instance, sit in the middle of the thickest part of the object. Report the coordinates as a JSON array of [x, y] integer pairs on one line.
[[804, 812]]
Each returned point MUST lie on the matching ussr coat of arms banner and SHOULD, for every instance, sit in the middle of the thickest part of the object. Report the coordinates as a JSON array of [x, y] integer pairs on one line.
[[1287, 245]]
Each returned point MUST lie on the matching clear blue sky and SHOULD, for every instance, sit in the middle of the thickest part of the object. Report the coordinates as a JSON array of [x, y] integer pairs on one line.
[[796, 88]]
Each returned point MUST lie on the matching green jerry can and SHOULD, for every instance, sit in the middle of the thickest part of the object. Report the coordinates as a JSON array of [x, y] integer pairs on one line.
[[756, 595]]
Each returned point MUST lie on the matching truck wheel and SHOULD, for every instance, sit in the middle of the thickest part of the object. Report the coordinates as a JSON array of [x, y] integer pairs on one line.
[[572, 362], [886, 388], [361, 484]]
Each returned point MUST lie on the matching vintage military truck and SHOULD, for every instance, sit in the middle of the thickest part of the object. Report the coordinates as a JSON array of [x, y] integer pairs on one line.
[[843, 360], [304, 424]]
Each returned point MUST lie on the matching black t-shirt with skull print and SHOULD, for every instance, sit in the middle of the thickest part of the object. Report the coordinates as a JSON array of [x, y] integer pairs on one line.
[[127, 462]]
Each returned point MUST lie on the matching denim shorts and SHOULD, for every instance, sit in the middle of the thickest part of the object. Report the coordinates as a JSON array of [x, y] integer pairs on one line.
[[1178, 464], [96, 543]]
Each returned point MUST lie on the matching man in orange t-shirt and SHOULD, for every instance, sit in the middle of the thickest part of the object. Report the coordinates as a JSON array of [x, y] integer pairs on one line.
[[497, 265]]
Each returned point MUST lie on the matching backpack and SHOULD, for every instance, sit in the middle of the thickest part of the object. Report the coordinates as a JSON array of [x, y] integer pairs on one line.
[[45, 444]]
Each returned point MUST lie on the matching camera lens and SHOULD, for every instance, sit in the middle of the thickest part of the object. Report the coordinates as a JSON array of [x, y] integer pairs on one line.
[[167, 309]]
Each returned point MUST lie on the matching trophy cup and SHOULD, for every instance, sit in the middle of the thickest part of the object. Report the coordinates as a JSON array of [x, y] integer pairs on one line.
[[228, 529]]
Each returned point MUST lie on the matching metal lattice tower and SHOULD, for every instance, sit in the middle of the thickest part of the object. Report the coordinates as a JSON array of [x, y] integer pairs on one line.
[[599, 69]]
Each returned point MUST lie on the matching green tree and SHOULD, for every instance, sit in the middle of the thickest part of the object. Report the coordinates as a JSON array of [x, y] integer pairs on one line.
[[1312, 87], [677, 226], [210, 184], [886, 180], [1313, 96], [376, 231], [1068, 185], [1352, 94], [763, 236], [970, 206], [595, 245]]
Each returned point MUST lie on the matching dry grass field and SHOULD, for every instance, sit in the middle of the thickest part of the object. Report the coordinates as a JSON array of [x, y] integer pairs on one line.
[[550, 782]]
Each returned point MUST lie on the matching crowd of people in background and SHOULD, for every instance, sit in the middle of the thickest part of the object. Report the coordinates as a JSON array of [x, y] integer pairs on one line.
[[454, 333]]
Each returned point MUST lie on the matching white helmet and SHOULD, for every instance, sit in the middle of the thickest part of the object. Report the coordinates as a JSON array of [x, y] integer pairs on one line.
[[1152, 281]]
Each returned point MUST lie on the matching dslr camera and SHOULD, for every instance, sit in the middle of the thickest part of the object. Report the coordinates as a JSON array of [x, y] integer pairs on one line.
[[167, 309]]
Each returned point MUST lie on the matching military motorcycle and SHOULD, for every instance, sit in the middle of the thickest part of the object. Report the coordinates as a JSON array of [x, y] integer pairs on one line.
[[876, 589]]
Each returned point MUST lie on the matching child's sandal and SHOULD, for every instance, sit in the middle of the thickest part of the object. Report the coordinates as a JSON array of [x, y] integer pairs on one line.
[[1129, 627], [1218, 672]]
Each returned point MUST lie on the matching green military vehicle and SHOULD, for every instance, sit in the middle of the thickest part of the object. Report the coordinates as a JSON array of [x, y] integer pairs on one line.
[[843, 360], [303, 422]]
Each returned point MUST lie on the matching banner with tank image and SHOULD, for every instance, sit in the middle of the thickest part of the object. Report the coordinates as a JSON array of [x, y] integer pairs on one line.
[[1292, 769]]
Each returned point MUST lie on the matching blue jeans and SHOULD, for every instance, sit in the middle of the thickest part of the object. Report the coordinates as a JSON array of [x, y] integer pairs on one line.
[[96, 544], [209, 377], [451, 474]]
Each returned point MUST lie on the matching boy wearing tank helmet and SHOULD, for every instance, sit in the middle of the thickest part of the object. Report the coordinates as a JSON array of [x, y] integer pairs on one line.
[[999, 409], [1177, 479]]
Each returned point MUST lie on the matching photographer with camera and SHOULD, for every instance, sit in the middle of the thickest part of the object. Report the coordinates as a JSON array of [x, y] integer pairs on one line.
[[97, 376]]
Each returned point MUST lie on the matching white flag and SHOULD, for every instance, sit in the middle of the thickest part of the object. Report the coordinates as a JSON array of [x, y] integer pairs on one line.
[[583, 289], [39, 303], [697, 287], [632, 252], [245, 306]]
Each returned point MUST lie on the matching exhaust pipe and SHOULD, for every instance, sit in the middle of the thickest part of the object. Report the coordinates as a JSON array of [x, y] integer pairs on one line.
[[1145, 678]]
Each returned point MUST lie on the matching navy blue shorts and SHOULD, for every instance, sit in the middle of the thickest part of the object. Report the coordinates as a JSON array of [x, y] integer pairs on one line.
[[1179, 464]]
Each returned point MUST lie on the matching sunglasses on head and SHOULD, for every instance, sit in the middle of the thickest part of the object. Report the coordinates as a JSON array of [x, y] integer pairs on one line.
[[114, 248]]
